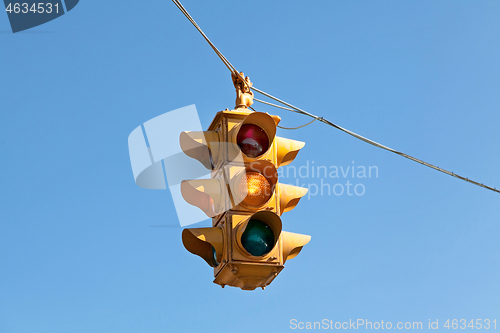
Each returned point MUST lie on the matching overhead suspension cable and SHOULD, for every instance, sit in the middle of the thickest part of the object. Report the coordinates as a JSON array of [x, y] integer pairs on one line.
[[373, 143], [221, 56], [294, 128], [292, 108], [216, 50], [281, 107]]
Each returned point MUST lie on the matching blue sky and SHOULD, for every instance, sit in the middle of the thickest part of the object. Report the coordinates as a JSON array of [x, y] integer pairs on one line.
[[77, 250]]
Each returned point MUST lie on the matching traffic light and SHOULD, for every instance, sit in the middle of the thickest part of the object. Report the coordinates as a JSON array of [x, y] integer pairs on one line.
[[246, 245]]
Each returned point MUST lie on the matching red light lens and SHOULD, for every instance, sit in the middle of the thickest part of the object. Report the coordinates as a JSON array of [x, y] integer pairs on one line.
[[252, 140]]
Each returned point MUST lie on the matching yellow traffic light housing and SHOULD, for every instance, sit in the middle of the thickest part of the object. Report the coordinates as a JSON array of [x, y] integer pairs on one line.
[[246, 244], [205, 242], [202, 146], [206, 194], [293, 244], [289, 196], [287, 150]]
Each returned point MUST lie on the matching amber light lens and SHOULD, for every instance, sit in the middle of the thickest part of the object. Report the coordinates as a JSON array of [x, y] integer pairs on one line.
[[252, 140], [255, 188]]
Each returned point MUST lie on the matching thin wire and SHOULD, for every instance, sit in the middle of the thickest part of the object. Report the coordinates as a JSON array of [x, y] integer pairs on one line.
[[371, 142], [221, 56], [298, 110], [294, 128], [281, 107], [190, 18]]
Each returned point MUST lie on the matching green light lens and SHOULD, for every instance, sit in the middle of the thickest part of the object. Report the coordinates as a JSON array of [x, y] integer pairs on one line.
[[214, 253], [258, 238]]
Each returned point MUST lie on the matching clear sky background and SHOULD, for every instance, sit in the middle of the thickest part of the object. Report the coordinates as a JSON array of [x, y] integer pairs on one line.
[[80, 246]]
